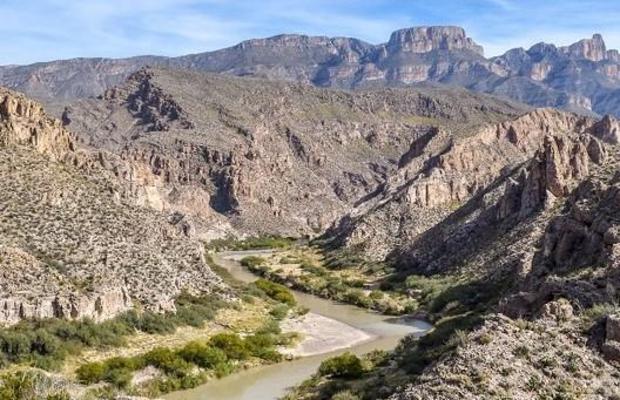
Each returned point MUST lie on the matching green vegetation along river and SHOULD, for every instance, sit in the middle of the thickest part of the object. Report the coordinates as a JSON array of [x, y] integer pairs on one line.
[[271, 382]]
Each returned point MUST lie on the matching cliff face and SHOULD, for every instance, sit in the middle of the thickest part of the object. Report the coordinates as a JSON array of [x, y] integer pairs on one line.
[[445, 172], [584, 76], [252, 156], [71, 246], [23, 122], [427, 39]]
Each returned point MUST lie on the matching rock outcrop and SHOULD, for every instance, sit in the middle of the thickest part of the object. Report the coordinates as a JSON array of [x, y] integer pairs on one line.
[[23, 122], [611, 345], [503, 358], [429, 38], [446, 171], [554, 172]]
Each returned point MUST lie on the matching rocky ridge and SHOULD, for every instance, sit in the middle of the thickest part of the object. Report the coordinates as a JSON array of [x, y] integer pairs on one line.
[[582, 77], [544, 238], [442, 172]]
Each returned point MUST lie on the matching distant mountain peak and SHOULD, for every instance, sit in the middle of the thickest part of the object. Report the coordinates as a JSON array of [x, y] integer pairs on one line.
[[423, 39], [590, 49]]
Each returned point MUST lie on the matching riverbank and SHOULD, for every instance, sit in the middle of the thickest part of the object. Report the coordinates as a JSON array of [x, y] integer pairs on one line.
[[328, 329], [344, 278]]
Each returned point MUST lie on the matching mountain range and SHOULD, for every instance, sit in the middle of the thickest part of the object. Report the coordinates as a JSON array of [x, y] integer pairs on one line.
[[583, 77]]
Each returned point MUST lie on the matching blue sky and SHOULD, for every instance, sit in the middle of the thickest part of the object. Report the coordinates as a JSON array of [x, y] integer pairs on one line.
[[40, 30]]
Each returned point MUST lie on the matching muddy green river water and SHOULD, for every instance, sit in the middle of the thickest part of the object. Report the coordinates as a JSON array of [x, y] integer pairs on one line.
[[271, 382]]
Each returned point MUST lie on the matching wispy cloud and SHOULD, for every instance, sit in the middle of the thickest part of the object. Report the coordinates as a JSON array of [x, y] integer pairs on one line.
[[37, 30]]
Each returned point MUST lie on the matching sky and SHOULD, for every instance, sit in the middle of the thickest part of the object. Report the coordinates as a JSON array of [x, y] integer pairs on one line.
[[42, 30]]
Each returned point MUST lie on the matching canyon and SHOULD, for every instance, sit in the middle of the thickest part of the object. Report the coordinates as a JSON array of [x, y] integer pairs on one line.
[[411, 164]]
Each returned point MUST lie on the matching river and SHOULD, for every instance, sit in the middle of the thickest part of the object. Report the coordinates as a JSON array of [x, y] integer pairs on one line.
[[272, 381]]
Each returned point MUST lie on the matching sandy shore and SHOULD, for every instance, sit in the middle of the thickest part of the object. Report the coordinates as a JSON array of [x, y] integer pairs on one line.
[[321, 335]]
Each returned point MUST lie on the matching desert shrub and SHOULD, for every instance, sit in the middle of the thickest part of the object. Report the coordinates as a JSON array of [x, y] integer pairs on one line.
[[119, 377], [347, 365], [231, 344], [251, 243], [343, 259], [289, 260], [357, 297], [90, 373], [202, 355], [376, 295], [276, 291], [224, 369], [160, 357], [280, 311], [29, 385], [151, 322], [313, 269], [264, 242], [252, 261], [345, 395]]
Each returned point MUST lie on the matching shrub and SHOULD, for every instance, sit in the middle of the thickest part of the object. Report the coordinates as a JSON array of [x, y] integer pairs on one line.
[[150, 322], [345, 395], [90, 373], [263, 242], [343, 260], [120, 377], [280, 311], [224, 369], [231, 344], [202, 355], [376, 295], [357, 297], [252, 261], [276, 291], [29, 385], [310, 268], [347, 366]]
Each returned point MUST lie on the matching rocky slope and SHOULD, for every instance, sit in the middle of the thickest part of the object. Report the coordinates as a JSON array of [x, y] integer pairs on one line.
[[442, 172], [560, 258], [241, 155], [581, 77], [71, 246], [521, 272]]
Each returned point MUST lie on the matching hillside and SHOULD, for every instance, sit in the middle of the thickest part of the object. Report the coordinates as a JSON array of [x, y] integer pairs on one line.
[[71, 246], [262, 157], [519, 276]]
